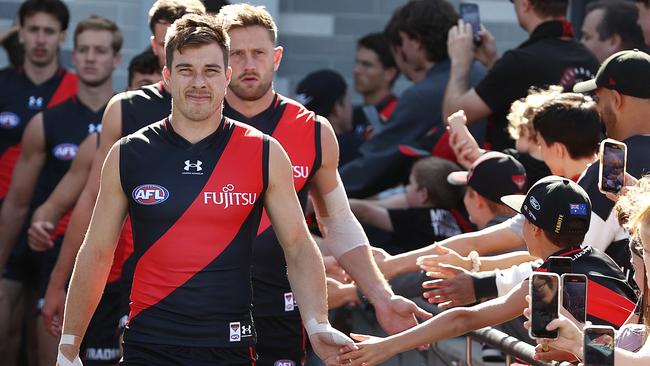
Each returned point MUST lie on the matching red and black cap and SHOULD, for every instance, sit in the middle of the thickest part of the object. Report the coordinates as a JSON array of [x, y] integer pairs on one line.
[[554, 204], [627, 72], [493, 176]]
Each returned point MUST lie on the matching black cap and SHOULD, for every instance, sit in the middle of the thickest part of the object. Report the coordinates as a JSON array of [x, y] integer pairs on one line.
[[320, 90], [627, 72], [554, 204], [493, 176]]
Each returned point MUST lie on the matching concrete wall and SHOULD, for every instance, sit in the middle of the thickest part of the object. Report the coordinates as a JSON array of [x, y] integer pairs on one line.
[[315, 33]]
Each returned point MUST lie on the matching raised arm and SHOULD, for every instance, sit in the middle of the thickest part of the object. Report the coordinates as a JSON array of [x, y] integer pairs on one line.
[[95, 255]]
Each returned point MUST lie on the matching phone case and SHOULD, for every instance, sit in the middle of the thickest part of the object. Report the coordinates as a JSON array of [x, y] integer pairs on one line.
[[601, 162], [559, 300]]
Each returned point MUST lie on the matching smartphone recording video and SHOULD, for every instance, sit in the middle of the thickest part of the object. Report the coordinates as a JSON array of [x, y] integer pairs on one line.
[[469, 13], [574, 295], [598, 346], [613, 159], [545, 302]]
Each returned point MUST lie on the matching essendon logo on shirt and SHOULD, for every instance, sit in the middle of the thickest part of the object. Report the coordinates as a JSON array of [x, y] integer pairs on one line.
[[65, 151], [150, 194], [235, 331], [228, 197]]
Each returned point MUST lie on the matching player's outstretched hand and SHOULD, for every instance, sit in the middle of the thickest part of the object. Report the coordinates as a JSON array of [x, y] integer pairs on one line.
[[327, 343]]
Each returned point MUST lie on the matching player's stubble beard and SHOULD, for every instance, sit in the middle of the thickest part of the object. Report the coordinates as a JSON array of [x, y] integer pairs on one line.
[[253, 94]]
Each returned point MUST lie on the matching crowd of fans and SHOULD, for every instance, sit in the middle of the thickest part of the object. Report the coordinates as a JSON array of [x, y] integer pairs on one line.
[[442, 177]]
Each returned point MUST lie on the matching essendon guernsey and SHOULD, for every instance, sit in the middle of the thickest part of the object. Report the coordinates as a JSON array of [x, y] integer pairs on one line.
[[195, 210], [20, 100], [298, 131]]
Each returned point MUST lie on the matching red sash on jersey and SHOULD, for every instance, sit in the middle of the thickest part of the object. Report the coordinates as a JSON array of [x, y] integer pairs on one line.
[[210, 228], [122, 251], [7, 162], [296, 134]]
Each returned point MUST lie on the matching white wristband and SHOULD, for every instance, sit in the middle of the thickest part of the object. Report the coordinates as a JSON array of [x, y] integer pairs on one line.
[[476, 261], [62, 360], [313, 327]]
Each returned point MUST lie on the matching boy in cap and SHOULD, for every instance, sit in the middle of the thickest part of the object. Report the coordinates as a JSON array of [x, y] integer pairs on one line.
[[557, 214]]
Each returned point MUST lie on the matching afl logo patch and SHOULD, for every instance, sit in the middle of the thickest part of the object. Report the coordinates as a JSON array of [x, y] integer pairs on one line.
[[9, 120], [65, 151], [150, 194], [284, 363]]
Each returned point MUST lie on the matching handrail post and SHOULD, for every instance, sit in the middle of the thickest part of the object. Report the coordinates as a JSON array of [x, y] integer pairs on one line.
[[468, 350]]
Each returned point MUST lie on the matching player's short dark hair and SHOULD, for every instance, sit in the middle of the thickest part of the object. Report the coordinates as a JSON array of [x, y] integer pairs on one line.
[[619, 17], [168, 11], [572, 120], [145, 62], [645, 3], [214, 6], [55, 8], [194, 30], [428, 21], [97, 23], [550, 8]]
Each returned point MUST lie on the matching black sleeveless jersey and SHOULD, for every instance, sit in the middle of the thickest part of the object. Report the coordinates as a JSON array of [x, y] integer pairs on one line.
[[144, 106], [298, 131], [65, 127], [20, 100], [195, 210]]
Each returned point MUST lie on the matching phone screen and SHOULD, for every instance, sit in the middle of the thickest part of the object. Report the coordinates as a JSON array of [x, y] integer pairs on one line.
[[469, 13], [574, 295], [544, 293], [559, 265], [613, 170], [599, 346]]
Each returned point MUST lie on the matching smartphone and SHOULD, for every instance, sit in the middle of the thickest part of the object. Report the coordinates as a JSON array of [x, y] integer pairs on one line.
[[469, 13], [613, 160], [598, 346], [560, 265], [574, 295], [545, 303]]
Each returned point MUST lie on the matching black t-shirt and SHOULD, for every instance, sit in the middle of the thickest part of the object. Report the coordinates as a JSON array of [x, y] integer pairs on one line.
[[535, 169], [549, 57], [416, 227]]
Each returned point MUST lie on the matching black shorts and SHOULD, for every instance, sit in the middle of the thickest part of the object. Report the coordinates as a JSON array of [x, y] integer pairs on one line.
[[101, 345], [31, 268], [281, 341], [144, 354]]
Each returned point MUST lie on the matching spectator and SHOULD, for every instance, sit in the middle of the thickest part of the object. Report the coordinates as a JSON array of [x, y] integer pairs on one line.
[[644, 18], [611, 26], [565, 61], [375, 73], [426, 214], [416, 37], [557, 227], [326, 93], [144, 69], [492, 176]]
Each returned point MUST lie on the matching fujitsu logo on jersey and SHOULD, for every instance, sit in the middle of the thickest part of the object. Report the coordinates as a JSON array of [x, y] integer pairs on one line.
[[228, 197], [300, 171], [65, 151], [150, 194]]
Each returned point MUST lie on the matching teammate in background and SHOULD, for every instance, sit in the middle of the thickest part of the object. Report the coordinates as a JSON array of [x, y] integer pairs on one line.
[[39, 84], [375, 73], [125, 113], [311, 145], [50, 143], [144, 69], [206, 214]]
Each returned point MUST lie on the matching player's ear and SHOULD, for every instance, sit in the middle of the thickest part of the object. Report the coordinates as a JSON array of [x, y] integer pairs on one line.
[[277, 57], [166, 74]]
